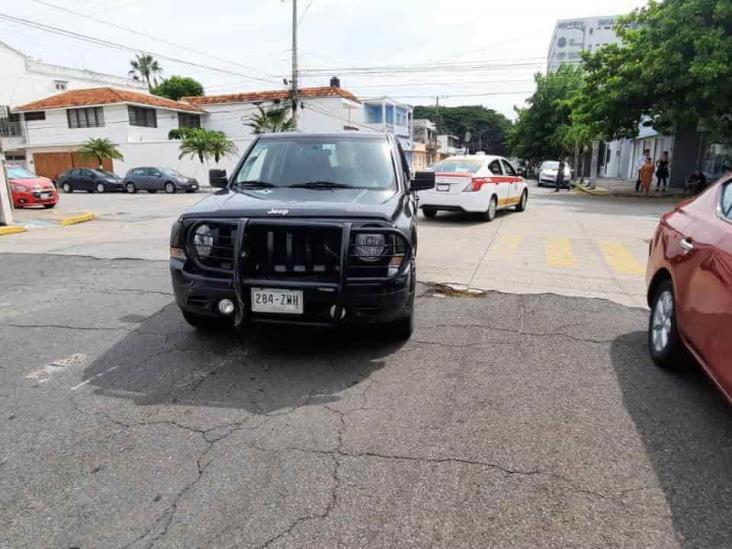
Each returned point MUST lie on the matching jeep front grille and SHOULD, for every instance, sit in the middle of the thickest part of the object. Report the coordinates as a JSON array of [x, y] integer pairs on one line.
[[307, 253]]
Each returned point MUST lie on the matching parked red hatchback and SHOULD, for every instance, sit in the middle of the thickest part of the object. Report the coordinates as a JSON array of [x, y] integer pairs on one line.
[[28, 189], [689, 279]]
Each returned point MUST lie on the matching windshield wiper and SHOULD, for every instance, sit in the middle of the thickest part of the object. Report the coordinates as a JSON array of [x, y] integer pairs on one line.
[[256, 184], [321, 185]]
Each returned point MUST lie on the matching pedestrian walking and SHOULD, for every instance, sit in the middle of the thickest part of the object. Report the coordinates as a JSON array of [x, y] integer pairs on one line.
[[662, 172], [559, 180], [646, 175], [638, 165]]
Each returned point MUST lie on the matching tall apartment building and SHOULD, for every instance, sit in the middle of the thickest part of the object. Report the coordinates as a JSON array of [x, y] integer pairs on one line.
[[572, 36]]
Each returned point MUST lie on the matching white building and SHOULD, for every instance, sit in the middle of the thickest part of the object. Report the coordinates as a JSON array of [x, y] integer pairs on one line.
[[323, 109], [138, 123], [447, 145], [572, 36], [23, 79]]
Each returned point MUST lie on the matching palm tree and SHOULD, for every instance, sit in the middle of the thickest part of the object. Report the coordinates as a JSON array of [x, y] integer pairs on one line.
[[145, 67], [206, 144], [195, 144], [272, 120], [220, 147], [100, 149]]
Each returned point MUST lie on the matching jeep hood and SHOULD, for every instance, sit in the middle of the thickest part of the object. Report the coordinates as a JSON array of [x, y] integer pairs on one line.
[[294, 203]]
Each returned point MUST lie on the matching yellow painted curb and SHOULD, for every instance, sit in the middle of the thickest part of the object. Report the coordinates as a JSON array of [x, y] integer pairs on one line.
[[74, 219], [12, 229]]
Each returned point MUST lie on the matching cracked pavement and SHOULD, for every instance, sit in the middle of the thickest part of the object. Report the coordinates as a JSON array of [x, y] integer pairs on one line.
[[507, 420]]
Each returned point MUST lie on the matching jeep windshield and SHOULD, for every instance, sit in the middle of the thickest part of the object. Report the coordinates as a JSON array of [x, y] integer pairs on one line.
[[318, 163]]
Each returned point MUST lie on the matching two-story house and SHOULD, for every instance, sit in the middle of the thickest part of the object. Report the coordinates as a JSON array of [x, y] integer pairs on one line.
[[56, 126], [322, 109], [24, 79]]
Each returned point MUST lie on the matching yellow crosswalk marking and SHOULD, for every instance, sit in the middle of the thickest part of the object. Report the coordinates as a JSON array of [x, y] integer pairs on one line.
[[559, 253], [620, 259], [508, 244]]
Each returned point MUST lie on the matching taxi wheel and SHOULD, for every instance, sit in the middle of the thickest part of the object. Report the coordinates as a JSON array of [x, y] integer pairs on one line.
[[490, 213], [521, 206], [429, 213]]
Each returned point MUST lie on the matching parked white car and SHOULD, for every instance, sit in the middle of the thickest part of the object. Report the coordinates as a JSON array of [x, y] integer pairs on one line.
[[548, 173], [480, 184]]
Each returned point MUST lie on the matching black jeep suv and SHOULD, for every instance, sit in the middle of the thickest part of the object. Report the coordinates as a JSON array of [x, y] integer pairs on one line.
[[312, 229]]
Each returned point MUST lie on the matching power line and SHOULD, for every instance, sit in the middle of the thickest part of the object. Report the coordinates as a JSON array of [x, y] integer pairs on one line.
[[122, 47], [305, 11], [145, 35]]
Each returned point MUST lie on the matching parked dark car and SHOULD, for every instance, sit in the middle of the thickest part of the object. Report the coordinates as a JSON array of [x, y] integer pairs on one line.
[[315, 229], [690, 285], [90, 180], [158, 179]]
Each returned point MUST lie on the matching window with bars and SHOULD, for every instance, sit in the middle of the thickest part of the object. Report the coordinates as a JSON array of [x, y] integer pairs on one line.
[[36, 115], [90, 117], [141, 116], [187, 120]]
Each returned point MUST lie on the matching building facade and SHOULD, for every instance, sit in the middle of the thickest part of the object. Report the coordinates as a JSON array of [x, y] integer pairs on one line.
[[572, 36], [23, 79], [55, 127]]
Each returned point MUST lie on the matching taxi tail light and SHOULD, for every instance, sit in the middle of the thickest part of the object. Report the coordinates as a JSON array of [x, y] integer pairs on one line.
[[476, 184]]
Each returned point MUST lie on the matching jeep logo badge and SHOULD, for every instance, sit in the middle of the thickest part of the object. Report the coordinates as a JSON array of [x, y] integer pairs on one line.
[[275, 211]]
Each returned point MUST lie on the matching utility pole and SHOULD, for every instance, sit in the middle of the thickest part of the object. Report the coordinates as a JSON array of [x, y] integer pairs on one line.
[[295, 98], [6, 210]]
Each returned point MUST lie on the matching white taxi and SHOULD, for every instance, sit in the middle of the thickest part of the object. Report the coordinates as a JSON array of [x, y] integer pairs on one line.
[[480, 184]]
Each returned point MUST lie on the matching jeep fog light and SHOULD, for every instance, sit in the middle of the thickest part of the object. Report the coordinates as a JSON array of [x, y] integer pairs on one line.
[[226, 306], [203, 240], [370, 246]]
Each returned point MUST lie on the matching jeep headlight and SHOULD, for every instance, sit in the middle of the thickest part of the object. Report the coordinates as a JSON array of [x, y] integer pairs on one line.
[[370, 246], [203, 240]]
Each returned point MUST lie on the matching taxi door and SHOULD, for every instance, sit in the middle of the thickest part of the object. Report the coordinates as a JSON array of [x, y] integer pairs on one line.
[[500, 180], [514, 193]]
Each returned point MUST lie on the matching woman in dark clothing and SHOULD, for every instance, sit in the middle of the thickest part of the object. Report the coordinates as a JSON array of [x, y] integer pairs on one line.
[[662, 172]]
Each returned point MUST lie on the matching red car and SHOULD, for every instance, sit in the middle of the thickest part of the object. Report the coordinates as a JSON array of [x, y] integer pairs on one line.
[[28, 189], [689, 279]]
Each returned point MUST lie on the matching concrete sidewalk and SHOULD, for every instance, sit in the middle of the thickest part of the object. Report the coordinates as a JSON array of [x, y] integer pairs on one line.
[[606, 186]]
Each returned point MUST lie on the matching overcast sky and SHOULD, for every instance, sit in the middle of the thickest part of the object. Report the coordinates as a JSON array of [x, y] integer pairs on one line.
[[248, 41]]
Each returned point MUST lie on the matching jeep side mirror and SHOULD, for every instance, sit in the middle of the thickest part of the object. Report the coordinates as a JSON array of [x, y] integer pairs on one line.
[[422, 181], [217, 178]]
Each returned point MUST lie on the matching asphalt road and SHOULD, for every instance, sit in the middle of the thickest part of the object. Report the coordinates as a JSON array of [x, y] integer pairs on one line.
[[507, 420], [564, 243]]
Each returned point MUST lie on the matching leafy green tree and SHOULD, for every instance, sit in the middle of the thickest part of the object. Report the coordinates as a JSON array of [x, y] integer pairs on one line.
[[488, 128], [674, 66], [545, 129], [176, 87], [205, 144], [271, 120], [100, 149], [146, 68]]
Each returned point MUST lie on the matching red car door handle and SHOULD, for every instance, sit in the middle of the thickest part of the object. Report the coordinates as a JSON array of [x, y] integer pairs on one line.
[[687, 245]]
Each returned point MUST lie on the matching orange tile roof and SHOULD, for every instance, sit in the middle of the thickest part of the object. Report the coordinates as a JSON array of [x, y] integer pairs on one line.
[[103, 96], [254, 97]]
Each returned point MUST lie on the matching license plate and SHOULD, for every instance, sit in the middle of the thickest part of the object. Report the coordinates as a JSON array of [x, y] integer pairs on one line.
[[443, 187], [270, 300], [45, 196]]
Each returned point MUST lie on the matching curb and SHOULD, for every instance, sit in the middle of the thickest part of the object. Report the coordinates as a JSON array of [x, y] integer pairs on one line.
[[599, 191], [12, 229], [74, 219]]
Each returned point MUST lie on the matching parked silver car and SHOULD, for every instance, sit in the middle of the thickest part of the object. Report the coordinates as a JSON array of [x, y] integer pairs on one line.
[[158, 179], [548, 173]]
